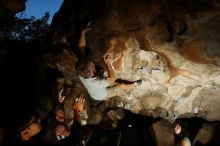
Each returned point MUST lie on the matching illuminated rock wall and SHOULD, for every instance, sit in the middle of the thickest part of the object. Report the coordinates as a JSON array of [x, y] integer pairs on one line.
[[173, 46]]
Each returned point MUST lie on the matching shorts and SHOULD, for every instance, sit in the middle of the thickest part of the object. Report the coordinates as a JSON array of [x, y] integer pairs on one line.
[[114, 91]]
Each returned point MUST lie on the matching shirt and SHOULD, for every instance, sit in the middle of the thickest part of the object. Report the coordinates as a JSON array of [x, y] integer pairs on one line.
[[97, 88]]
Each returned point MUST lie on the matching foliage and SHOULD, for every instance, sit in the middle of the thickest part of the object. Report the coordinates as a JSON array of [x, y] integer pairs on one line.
[[24, 29], [22, 41]]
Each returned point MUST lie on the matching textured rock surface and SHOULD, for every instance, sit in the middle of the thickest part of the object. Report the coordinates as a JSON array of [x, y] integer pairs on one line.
[[173, 46], [207, 134], [163, 134]]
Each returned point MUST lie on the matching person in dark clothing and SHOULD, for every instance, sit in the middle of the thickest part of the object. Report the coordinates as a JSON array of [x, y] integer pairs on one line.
[[33, 131], [181, 135], [73, 135], [73, 138], [43, 128]]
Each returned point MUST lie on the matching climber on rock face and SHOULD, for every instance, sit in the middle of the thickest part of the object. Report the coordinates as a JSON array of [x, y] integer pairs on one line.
[[101, 88]]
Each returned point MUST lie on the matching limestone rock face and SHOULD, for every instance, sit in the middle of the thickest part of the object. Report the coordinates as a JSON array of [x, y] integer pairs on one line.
[[183, 88], [173, 46]]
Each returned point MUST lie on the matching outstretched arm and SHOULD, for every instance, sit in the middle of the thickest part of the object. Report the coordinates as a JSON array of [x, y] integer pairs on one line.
[[76, 128], [78, 107], [82, 40], [111, 78]]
